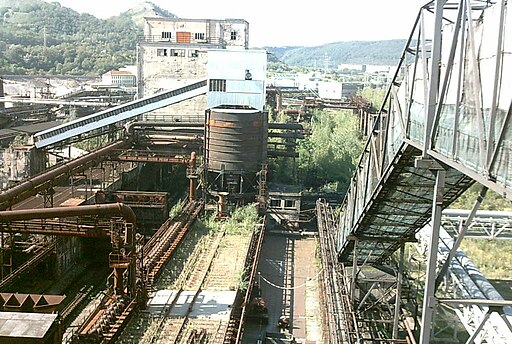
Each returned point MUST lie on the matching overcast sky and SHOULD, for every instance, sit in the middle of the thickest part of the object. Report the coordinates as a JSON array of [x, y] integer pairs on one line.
[[286, 22]]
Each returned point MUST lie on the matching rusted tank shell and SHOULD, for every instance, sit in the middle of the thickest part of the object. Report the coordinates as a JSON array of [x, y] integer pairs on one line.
[[235, 140]]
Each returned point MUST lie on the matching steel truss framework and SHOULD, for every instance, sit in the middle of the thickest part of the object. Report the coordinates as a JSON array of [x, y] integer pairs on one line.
[[487, 319], [444, 125], [485, 224]]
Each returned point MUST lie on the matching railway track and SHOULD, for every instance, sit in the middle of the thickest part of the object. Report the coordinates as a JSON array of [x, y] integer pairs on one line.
[[194, 296], [113, 312], [193, 278], [338, 313], [162, 245]]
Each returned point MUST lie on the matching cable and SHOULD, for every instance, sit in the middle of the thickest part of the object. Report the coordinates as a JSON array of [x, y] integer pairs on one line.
[[290, 288]]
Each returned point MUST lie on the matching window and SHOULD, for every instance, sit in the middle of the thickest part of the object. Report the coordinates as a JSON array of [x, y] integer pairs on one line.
[[288, 203], [233, 35], [275, 203], [178, 52], [161, 52], [193, 53], [166, 34], [218, 85], [199, 36]]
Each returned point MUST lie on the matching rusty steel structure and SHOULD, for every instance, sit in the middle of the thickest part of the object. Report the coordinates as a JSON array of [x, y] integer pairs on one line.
[[123, 256], [235, 329], [47, 179], [162, 245]]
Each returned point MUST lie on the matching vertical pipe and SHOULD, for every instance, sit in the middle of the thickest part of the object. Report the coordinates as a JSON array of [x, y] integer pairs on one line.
[[191, 176], [429, 297]]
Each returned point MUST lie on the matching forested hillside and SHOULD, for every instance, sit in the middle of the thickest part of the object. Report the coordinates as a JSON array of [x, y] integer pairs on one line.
[[37, 37], [333, 54]]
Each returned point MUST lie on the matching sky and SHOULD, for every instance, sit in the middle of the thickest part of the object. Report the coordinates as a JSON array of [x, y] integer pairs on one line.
[[286, 22]]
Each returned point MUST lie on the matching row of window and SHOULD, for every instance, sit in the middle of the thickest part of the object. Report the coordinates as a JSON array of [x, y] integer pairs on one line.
[[177, 52], [278, 203], [217, 85], [199, 36]]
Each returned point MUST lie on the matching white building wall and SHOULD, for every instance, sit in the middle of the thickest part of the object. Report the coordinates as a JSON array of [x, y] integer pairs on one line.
[[168, 59], [330, 90]]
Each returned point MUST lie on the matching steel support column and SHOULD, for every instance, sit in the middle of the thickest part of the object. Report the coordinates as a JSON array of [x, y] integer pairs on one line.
[[354, 272], [429, 301], [462, 233], [435, 72], [398, 298]]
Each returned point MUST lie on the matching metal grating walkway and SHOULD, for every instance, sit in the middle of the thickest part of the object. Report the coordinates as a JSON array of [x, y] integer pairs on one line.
[[448, 108], [400, 206]]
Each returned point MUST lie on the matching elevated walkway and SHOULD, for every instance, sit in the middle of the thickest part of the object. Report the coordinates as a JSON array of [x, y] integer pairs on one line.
[[123, 112], [452, 118], [400, 204]]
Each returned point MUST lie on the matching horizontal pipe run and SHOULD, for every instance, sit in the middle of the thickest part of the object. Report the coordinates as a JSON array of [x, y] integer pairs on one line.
[[286, 126], [84, 210], [37, 183], [130, 127]]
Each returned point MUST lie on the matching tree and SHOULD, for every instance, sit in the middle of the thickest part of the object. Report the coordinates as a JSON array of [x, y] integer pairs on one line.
[[328, 156]]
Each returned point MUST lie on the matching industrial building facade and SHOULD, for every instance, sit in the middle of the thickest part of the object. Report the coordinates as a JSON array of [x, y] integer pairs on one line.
[[174, 52]]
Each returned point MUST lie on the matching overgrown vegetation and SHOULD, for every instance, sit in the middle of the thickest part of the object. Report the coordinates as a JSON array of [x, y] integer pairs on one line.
[[328, 156], [374, 95], [177, 208], [492, 257], [492, 200], [242, 221]]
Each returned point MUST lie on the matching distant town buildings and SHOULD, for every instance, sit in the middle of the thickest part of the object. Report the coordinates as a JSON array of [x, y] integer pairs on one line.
[[121, 78], [367, 68], [325, 89]]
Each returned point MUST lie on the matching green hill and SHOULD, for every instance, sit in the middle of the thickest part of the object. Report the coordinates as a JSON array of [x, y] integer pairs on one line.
[[37, 37]]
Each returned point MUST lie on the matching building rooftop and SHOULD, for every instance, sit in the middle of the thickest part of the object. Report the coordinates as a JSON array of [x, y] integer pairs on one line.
[[25, 325], [119, 72], [36, 127]]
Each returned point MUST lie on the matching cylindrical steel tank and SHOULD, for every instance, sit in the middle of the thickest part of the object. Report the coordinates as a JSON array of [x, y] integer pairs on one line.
[[235, 140]]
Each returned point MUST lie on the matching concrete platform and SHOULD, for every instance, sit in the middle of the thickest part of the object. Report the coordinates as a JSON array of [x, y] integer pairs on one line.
[[288, 274], [208, 304]]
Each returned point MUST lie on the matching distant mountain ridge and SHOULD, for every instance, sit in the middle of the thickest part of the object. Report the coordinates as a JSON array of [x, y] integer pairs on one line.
[[333, 54]]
